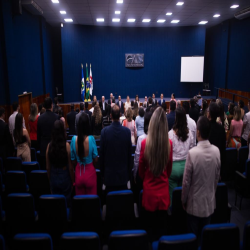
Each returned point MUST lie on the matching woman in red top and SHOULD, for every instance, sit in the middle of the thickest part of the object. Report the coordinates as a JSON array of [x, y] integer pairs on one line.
[[33, 117], [155, 166]]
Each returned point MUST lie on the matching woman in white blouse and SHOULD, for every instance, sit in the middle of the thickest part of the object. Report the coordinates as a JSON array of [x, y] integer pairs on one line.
[[127, 104], [182, 141]]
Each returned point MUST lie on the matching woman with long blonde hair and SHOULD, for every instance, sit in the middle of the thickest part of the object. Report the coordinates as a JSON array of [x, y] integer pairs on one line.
[[96, 122], [155, 166], [130, 124]]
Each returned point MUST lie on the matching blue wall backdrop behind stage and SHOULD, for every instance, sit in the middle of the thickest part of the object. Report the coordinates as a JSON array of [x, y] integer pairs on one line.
[[105, 48]]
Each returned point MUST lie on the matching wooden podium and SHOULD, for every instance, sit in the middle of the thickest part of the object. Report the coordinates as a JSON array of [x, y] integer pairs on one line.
[[25, 101]]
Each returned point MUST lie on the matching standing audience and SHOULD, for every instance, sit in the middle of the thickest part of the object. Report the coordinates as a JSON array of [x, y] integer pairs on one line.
[[161, 100], [194, 113], [135, 111], [115, 154], [230, 113], [127, 104], [71, 117], [182, 141], [150, 104], [204, 107], [155, 166], [139, 122], [246, 127], [241, 104], [78, 116], [130, 124], [120, 104], [96, 122], [171, 114], [59, 168], [33, 119], [40, 106], [86, 110], [84, 156], [172, 97], [222, 118], [201, 175], [22, 139]]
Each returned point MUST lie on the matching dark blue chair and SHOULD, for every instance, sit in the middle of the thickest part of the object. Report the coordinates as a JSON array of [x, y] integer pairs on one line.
[[86, 213], [2, 187], [222, 212], [220, 236], [39, 184], [99, 183], [230, 164], [176, 242], [13, 163], [120, 214], [2, 243], [53, 214], [20, 213], [33, 154], [2, 217], [80, 240], [243, 156], [27, 167], [131, 239], [32, 241], [246, 236], [242, 184], [15, 182], [1, 165]]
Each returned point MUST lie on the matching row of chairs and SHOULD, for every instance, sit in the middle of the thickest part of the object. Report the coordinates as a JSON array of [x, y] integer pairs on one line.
[[217, 236]]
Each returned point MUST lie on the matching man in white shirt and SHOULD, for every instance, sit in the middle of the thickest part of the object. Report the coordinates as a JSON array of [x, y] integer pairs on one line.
[[200, 179], [12, 118], [191, 123], [103, 105], [246, 127]]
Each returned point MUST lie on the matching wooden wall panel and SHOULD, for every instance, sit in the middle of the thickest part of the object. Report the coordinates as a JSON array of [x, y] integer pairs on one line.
[[25, 101], [40, 99], [245, 96]]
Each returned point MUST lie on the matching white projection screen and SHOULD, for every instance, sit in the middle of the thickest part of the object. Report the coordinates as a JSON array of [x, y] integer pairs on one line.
[[192, 69]]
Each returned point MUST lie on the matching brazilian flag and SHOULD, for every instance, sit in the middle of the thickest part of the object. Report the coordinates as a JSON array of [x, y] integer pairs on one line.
[[82, 86], [87, 84]]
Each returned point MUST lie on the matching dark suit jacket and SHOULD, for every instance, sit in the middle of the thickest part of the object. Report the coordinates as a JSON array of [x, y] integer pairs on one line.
[[149, 107], [122, 107], [109, 102], [154, 101], [71, 117], [171, 119], [89, 114], [217, 137], [194, 114], [159, 102], [6, 141], [115, 154], [45, 126], [104, 112]]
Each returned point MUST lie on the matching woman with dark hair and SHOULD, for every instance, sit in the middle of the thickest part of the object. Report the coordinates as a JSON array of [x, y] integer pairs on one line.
[[241, 104], [230, 113], [135, 111], [137, 100], [182, 141], [204, 107], [22, 139], [96, 122], [84, 156], [139, 122], [172, 97], [222, 118], [33, 118], [58, 164]]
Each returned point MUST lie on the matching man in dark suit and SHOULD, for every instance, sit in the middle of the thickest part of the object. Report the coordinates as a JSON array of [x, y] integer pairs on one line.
[[193, 111], [71, 117], [171, 115], [217, 135], [150, 104], [103, 106], [120, 104], [78, 116], [161, 100], [111, 99], [115, 153], [86, 110], [154, 101], [45, 126], [6, 142]]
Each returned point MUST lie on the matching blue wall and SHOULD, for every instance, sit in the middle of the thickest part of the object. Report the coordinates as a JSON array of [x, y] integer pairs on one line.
[[227, 57], [105, 48]]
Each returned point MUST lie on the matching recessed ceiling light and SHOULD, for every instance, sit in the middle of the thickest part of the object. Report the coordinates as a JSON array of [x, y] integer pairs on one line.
[[63, 12], [117, 12], [119, 1], [54, 1], [175, 21], [161, 21], [116, 20], [100, 20], [131, 20], [180, 3], [216, 15], [169, 14], [146, 20], [202, 22], [68, 20], [234, 6]]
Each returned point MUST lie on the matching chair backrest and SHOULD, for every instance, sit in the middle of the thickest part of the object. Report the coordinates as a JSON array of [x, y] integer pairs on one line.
[[129, 239], [246, 236], [86, 240], [20, 206], [2, 243], [99, 181], [120, 204], [176, 242], [27, 167], [13, 163], [247, 169], [39, 182], [230, 165], [220, 236], [33, 154], [52, 208], [1, 165], [32, 241], [243, 156], [1, 184], [15, 182]]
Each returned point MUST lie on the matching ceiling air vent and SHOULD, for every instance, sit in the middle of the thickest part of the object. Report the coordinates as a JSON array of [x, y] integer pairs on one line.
[[243, 13], [32, 7]]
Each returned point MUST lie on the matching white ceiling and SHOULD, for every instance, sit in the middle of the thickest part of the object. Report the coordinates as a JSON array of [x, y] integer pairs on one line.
[[193, 11]]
